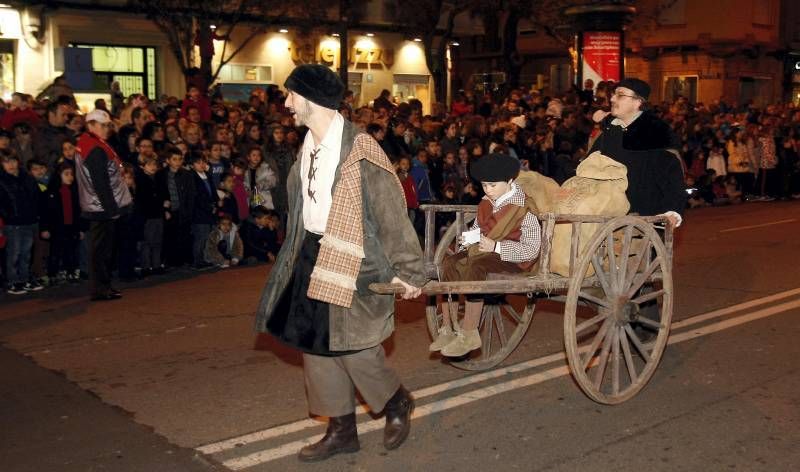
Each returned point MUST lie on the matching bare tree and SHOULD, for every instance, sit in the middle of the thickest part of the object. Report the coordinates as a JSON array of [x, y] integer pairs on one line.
[[188, 24]]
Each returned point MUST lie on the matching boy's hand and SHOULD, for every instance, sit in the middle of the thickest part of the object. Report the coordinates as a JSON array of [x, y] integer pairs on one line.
[[486, 244], [167, 215], [44, 235]]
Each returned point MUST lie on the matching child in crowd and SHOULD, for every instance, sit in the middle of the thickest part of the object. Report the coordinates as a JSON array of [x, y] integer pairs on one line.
[[227, 200], [149, 209], [402, 166], [732, 189], [505, 237], [239, 190], [224, 247], [62, 225], [260, 179], [204, 209], [20, 212], [68, 151], [716, 160], [216, 166], [260, 236], [128, 230], [176, 190], [41, 247]]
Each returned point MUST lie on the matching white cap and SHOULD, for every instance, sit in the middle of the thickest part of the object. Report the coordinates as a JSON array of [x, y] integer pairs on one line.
[[519, 121], [99, 116]]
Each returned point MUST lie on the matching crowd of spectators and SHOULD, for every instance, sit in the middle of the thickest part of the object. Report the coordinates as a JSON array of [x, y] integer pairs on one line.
[[208, 177]]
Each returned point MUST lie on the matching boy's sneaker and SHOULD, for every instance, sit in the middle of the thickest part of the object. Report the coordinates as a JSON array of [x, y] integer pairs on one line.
[[33, 286], [465, 341], [16, 289], [74, 277], [60, 278]]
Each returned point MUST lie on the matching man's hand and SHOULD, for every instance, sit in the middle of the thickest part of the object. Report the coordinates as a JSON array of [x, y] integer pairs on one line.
[[486, 244], [410, 292], [600, 115]]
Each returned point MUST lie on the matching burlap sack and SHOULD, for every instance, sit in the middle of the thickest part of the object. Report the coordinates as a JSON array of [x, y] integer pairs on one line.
[[539, 188], [598, 188]]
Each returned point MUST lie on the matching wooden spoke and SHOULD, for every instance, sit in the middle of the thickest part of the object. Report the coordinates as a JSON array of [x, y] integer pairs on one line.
[[626, 350], [511, 311], [640, 279], [637, 343], [603, 361], [615, 363], [601, 275], [489, 328], [501, 329], [590, 322], [598, 338], [649, 322], [612, 262], [646, 297], [626, 253], [593, 299], [637, 261]]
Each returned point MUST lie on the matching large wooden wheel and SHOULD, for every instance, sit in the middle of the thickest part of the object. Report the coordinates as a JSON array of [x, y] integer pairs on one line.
[[502, 325], [614, 353]]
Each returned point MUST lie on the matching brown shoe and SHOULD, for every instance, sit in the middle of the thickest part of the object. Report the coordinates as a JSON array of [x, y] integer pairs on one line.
[[341, 436], [398, 419]]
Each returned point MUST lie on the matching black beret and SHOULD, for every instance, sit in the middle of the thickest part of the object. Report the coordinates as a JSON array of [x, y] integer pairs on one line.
[[316, 83], [495, 167], [638, 86]]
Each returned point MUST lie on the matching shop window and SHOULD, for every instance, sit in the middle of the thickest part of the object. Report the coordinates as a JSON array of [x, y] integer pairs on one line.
[[354, 85], [408, 86], [244, 73], [680, 86], [757, 90], [6, 69], [134, 67]]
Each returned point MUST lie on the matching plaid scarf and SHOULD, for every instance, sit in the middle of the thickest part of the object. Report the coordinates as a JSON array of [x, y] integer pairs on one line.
[[333, 279]]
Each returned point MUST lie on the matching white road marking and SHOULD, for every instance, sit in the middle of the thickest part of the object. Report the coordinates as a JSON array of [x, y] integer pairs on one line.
[[300, 425], [291, 448], [740, 228]]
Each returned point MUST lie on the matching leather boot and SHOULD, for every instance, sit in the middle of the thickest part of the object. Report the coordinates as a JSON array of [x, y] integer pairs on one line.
[[341, 436], [398, 419]]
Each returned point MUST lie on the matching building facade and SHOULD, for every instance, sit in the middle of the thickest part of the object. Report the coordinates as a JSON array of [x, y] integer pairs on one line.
[[101, 46]]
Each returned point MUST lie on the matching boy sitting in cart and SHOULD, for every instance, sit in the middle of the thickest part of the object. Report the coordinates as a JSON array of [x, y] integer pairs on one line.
[[505, 238]]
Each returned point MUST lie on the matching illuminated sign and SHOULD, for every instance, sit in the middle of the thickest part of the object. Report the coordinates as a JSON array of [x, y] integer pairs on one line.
[[328, 53], [602, 55]]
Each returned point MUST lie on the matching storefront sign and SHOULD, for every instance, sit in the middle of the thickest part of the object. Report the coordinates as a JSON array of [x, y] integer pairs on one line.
[[373, 56], [601, 55]]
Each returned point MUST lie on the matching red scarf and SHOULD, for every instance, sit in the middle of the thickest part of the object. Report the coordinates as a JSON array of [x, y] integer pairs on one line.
[[66, 204], [88, 141]]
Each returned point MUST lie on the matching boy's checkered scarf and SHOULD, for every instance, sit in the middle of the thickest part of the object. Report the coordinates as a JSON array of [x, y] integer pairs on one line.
[[342, 246]]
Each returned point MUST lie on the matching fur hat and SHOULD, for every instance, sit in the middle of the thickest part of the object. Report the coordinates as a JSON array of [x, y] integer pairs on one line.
[[638, 86], [495, 167], [316, 83]]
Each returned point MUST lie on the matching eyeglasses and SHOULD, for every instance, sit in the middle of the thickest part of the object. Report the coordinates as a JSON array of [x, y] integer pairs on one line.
[[312, 172], [620, 95]]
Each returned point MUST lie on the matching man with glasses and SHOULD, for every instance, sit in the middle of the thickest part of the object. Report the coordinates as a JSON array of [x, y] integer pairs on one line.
[[103, 196], [646, 145], [346, 229]]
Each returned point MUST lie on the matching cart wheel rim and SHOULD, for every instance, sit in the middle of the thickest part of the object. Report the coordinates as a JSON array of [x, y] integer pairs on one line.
[[608, 357]]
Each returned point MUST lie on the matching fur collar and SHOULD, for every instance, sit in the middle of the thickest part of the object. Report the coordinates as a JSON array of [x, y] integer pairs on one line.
[[645, 133]]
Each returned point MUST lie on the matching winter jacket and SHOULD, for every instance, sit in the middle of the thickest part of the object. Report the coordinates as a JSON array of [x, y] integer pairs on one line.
[[98, 170], [234, 242], [19, 199]]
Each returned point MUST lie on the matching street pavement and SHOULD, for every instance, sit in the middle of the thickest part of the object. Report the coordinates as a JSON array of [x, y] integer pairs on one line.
[[174, 369]]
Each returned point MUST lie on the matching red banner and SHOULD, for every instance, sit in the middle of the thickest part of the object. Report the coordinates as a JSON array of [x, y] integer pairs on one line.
[[602, 53]]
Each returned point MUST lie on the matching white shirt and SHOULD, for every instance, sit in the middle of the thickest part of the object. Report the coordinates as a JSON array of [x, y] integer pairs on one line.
[[316, 210]]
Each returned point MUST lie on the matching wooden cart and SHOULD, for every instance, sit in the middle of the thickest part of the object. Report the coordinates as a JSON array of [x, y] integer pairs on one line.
[[617, 298]]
